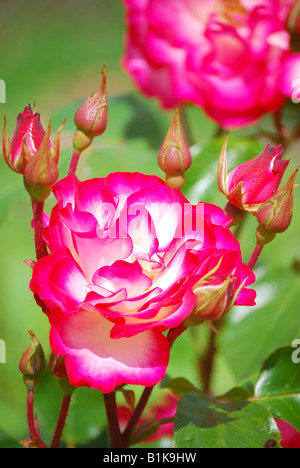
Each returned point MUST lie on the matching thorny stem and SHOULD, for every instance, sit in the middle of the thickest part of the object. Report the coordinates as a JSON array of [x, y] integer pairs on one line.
[[207, 363], [255, 256], [73, 163], [61, 421], [116, 438], [30, 419], [137, 414], [40, 246], [172, 335]]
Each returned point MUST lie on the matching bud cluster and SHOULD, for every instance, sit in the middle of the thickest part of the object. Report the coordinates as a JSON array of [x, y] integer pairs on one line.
[[253, 187], [30, 153]]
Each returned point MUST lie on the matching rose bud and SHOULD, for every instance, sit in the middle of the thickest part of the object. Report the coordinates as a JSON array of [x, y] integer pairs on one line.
[[174, 157], [25, 142], [32, 363], [276, 214], [251, 184], [58, 369], [213, 301], [41, 172], [91, 118]]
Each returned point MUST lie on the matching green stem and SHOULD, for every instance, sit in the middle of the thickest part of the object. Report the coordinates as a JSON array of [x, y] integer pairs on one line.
[[127, 434], [116, 438], [207, 363], [137, 414]]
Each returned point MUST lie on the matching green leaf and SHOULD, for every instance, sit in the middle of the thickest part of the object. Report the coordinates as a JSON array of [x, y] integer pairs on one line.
[[180, 386], [8, 442], [239, 418], [203, 422], [252, 333], [278, 386]]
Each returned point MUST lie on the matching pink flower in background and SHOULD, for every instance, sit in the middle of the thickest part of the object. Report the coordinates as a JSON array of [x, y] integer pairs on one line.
[[156, 412], [290, 436], [226, 56], [127, 257]]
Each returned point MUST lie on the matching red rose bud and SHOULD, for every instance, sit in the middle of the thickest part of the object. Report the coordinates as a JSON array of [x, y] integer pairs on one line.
[[174, 157], [41, 171], [276, 214], [91, 118], [25, 142], [57, 366], [251, 184], [32, 363], [58, 369]]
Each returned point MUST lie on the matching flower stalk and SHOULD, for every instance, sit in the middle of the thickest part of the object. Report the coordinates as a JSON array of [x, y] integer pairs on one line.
[[61, 422]]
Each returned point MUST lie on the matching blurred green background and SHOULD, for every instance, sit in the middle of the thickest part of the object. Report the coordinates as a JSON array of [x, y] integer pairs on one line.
[[52, 53]]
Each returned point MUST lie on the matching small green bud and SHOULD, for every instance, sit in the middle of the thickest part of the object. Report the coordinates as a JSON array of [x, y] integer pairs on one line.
[[32, 363]]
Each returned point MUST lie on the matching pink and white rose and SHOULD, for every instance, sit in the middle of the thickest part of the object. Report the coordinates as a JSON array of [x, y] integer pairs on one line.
[[226, 56], [127, 257]]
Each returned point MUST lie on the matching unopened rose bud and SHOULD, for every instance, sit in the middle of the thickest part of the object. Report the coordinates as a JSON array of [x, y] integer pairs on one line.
[[276, 214], [174, 157], [41, 172], [91, 118], [32, 363], [252, 183], [25, 142], [213, 301], [58, 369]]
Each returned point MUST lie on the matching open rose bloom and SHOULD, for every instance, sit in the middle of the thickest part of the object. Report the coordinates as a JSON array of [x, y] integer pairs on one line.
[[230, 57], [129, 259]]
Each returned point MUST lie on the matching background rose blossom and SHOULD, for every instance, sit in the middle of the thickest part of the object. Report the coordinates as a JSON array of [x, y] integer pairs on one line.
[[290, 437], [227, 57], [125, 265]]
